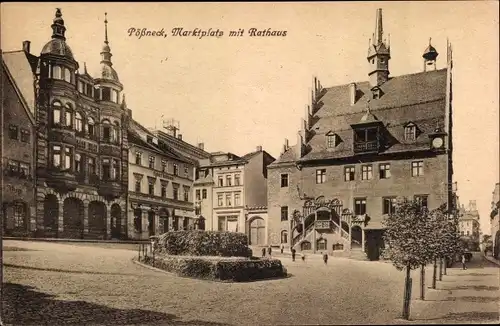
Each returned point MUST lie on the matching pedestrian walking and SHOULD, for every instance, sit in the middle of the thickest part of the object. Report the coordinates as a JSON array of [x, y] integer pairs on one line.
[[263, 252], [293, 254], [325, 258], [269, 250], [303, 257], [282, 248], [463, 262]]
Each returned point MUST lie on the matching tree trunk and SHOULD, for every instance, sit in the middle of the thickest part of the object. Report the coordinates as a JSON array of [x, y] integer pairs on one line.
[[440, 269], [434, 272], [407, 294], [422, 282], [445, 265]]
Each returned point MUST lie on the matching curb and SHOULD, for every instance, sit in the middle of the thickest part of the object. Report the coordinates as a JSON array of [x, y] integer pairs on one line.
[[491, 259], [135, 261], [78, 240]]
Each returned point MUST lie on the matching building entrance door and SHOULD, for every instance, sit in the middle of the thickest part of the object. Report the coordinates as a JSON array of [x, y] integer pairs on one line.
[[257, 232]]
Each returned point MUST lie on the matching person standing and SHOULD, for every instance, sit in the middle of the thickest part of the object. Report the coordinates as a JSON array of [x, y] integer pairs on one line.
[[263, 252], [325, 258], [269, 250], [293, 254], [463, 262], [282, 248]]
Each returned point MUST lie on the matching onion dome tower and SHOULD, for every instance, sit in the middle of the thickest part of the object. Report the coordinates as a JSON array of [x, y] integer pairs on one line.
[[430, 55]]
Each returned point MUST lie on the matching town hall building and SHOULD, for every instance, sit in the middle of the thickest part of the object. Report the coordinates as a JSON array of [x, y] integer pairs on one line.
[[361, 146]]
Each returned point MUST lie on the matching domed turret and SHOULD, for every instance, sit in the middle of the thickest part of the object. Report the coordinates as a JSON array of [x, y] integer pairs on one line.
[[57, 45], [106, 70], [430, 55]]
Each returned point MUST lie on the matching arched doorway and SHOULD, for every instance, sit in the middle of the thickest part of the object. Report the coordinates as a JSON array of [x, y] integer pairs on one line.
[[164, 216], [305, 245], [151, 223], [15, 218], [321, 244], [138, 220], [356, 237], [116, 221], [284, 236], [73, 218], [97, 220], [201, 223], [257, 231], [50, 215]]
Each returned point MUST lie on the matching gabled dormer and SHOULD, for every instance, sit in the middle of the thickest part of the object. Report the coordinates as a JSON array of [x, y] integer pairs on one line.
[[367, 134], [376, 92], [411, 131], [332, 140]]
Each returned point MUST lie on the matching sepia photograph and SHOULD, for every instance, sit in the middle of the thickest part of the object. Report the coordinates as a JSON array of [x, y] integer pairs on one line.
[[250, 163]]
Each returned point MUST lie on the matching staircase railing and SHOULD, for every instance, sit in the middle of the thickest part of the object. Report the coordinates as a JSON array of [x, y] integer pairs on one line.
[[304, 232]]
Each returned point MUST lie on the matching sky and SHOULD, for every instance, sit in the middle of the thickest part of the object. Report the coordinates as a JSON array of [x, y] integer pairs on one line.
[[236, 93]]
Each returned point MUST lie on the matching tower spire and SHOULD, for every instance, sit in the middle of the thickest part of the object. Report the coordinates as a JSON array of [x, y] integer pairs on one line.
[[106, 50], [379, 30], [58, 28]]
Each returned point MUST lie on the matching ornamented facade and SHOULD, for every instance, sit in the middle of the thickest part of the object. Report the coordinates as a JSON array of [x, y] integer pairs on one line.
[[81, 145], [361, 145], [468, 224]]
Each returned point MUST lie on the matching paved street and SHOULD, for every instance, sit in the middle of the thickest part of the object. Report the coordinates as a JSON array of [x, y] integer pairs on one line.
[[50, 283]]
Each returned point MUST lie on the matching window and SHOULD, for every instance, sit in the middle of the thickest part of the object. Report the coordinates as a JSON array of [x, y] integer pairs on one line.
[[114, 96], [138, 158], [90, 125], [67, 75], [68, 116], [237, 199], [321, 176], [360, 206], [422, 200], [13, 166], [78, 122], [25, 135], [89, 90], [80, 86], [91, 166], [365, 135], [19, 215], [366, 172], [163, 166], [78, 163], [389, 205], [410, 132], [105, 94], [349, 173], [56, 72], [186, 171], [204, 194], [284, 213], [468, 232], [56, 112], [106, 169], [176, 191], [284, 236], [331, 141], [186, 193], [221, 181], [237, 180], [228, 180], [385, 170], [106, 131], [284, 180], [176, 169], [220, 200], [151, 162], [222, 223], [68, 158], [138, 185], [321, 244], [13, 132], [56, 156], [151, 186], [462, 232], [417, 168], [24, 169], [228, 200], [198, 195], [164, 190], [116, 132], [116, 170]]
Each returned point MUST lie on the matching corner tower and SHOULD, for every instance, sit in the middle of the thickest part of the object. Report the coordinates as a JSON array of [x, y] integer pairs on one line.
[[379, 54]]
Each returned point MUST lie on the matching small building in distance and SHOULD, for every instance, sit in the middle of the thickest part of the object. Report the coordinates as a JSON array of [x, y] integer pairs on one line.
[[469, 225]]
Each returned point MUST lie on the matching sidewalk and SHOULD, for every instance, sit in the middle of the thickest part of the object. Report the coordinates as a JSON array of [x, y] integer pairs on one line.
[[77, 240], [463, 296]]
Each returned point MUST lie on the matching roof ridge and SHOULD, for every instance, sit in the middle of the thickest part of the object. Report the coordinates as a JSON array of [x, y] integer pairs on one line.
[[13, 51]]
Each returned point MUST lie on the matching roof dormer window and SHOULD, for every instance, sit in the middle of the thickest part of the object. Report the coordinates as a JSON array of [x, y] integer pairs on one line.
[[410, 132], [332, 140]]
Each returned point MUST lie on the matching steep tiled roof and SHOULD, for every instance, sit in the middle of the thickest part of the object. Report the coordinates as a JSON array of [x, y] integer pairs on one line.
[[419, 98], [20, 69], [134, 138]]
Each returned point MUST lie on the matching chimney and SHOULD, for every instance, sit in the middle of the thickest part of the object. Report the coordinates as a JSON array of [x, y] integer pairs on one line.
[[201, 146], [259, 148], [179, 137], [26, 46], [352, 93], [286, 144]]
